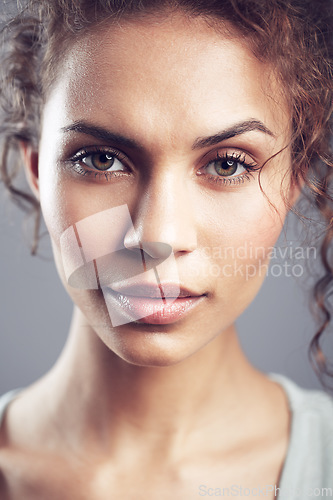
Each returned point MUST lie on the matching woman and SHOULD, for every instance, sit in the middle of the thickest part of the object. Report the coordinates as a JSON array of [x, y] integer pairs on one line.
[[157, 137]]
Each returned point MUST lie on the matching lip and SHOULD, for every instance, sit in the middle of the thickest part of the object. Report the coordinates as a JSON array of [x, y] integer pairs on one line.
[[157, 305], [154, 290]]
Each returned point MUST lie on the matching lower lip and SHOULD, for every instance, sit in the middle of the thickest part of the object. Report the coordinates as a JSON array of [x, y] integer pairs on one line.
[[158, 311]]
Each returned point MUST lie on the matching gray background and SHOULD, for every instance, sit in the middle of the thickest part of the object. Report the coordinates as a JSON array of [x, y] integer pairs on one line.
[[35, 311]]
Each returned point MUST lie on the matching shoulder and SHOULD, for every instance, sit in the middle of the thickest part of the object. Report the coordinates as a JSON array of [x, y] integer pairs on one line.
[[5, 400], [309, 407], [310, 453], [301, 399], [314, 414], [3, 485], [5, 451], [17, 466], [307, 402]]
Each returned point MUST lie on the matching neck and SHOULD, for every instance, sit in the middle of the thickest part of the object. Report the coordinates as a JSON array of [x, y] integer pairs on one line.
[[111, 398]]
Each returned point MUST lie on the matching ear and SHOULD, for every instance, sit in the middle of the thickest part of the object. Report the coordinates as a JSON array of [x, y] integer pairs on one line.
[[30, 160]]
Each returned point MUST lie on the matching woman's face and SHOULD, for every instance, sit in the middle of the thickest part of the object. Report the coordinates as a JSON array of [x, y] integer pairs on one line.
[[152, 140]]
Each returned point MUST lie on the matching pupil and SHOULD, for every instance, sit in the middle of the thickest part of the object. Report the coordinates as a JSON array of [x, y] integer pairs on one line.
[[104, 158]]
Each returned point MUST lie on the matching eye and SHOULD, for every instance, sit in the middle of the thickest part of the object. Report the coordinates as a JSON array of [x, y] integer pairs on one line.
[[227, 166], [103, 162], [229, 169]]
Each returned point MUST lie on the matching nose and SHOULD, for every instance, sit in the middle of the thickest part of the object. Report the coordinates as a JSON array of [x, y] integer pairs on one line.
[[163, 218]]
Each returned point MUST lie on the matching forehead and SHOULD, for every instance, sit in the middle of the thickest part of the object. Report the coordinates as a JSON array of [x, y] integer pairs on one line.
[[159, 74]]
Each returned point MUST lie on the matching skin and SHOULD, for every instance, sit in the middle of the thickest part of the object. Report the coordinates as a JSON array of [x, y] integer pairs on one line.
[[178, 405]]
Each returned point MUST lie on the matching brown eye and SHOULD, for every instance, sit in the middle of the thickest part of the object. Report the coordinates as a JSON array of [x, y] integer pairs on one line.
[[225, 167], [228, 168], [102, 161]]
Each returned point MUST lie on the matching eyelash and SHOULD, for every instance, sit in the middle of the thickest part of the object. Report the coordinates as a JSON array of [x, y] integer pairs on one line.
[[239, 158], [101, 174]]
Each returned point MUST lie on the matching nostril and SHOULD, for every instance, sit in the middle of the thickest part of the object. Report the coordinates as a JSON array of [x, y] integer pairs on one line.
[[156, 249], [149, 251]]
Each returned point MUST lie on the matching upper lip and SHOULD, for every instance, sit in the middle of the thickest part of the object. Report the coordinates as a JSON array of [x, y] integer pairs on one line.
[[151, 290]]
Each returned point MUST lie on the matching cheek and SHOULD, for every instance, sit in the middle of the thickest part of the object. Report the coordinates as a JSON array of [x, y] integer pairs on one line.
[[87, 224], [242, 232], [246, 215], [65, 202]]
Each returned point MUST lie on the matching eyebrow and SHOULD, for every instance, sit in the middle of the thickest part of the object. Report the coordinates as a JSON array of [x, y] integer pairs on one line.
[[250, 125], [101, 133], [238, 129]]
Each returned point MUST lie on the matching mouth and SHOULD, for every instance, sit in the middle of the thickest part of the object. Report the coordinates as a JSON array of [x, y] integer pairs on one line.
[[155, 304]]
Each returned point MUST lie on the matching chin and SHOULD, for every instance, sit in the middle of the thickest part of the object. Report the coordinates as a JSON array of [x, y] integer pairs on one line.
[[147, 345]]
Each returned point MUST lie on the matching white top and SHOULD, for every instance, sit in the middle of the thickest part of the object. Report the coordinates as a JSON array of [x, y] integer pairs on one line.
[[308, 468]]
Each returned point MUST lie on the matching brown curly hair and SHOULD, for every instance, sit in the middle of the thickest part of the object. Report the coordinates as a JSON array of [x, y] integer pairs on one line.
[[295, 36]]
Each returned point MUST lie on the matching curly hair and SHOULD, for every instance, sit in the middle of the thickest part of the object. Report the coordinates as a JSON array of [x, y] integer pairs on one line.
[[295, 36]]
